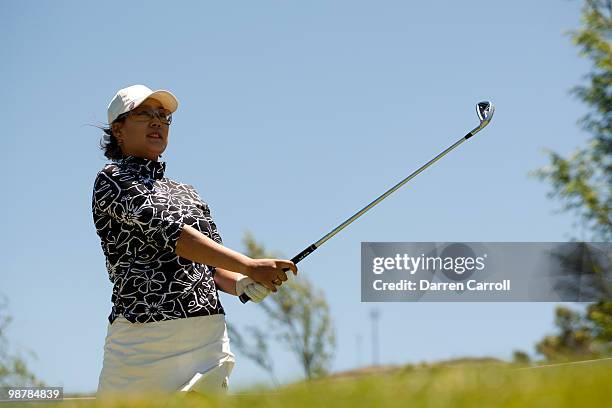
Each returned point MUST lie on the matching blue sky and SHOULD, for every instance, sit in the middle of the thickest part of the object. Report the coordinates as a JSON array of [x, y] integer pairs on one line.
[[293, 115]]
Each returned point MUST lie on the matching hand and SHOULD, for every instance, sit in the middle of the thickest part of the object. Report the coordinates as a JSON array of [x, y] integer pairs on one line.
[[253, 290], [269, 272]]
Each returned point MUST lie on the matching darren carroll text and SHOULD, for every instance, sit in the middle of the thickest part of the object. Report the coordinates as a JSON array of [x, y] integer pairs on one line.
[[442, 286]]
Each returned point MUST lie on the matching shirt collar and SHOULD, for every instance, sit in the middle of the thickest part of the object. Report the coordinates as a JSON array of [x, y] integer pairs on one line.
[[143, 166]]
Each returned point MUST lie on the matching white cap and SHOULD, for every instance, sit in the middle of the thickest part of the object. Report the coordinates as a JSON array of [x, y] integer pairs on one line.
[[128, 98]]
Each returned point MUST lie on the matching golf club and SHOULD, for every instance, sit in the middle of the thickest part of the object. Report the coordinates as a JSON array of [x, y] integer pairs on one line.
[[485, 112]]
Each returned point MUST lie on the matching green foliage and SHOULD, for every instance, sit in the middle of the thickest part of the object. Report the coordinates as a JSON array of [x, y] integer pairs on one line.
[[586, 385], [520, 357], [573, 340], [13, 369], [255, 349], [583, 181], [579, 336], [599, 318], [584, 271], [298, 316]]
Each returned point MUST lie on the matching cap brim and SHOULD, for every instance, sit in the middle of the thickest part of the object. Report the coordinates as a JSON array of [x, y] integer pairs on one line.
[[166, 98]]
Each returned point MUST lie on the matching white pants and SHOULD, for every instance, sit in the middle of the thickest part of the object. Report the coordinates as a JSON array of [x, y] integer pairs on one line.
[[189, 354]]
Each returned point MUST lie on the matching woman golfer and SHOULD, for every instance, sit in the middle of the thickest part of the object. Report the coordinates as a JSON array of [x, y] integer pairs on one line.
[[165, 258]]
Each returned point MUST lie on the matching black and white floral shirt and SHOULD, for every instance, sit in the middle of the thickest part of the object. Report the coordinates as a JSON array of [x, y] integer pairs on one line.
[[139, 215]]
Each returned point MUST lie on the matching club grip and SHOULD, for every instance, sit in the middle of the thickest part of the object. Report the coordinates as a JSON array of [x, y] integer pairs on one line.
[[244, 298]]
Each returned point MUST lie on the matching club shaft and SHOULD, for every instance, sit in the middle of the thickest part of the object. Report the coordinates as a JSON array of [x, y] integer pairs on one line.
[[307, 251], [386, 194]]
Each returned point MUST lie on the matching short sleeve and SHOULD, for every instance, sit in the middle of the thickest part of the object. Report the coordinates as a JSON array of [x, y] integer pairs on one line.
[[213, 227], [214, 232], [126, 200]]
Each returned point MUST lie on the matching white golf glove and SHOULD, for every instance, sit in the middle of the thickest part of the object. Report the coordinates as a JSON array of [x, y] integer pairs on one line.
[[253, 290]]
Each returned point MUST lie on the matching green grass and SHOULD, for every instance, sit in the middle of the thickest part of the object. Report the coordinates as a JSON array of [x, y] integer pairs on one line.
[[467, 385]]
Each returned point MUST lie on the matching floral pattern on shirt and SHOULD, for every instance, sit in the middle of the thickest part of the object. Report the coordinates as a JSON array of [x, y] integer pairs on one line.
[[139, 215]]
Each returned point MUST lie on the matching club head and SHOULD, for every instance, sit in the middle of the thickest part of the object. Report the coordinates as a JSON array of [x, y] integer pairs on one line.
[[485, 110]]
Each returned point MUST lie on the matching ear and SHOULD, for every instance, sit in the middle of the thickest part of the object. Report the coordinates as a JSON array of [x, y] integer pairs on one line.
[[116, 127]]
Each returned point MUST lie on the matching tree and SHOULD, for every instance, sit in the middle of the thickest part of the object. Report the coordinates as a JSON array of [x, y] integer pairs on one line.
[[520, 357], [599, 318], [255, 350], [583, 271], [573, 340], [579, 335], [299, 318], [583, 180], [13, 369]]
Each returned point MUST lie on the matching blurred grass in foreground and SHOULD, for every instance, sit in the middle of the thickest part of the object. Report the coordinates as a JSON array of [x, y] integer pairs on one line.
[[474, 385]]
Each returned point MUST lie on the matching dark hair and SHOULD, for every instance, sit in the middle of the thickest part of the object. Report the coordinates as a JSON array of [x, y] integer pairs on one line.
[[109, 144], [111, 148]]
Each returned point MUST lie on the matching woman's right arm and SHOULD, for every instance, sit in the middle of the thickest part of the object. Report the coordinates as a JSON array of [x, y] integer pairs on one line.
[[197, 247]]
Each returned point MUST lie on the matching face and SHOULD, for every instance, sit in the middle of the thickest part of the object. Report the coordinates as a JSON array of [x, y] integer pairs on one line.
[[142, 138]]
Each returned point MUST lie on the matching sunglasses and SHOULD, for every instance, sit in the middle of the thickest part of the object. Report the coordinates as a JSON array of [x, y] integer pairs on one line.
[[147, 115]]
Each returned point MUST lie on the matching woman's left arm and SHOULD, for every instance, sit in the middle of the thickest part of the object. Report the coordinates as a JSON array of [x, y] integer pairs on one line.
[[226, 280], [236, 284]]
